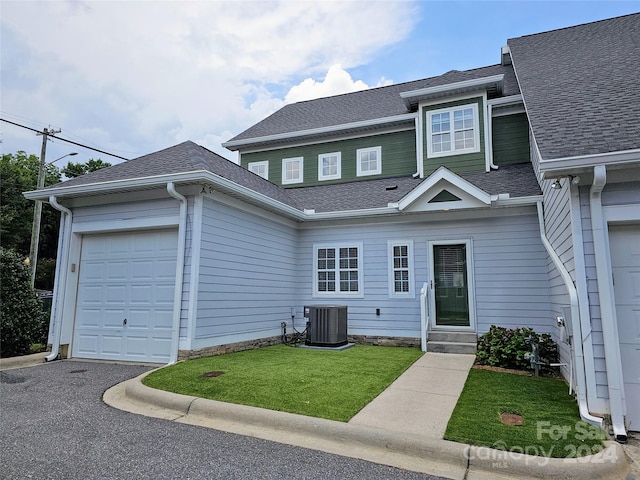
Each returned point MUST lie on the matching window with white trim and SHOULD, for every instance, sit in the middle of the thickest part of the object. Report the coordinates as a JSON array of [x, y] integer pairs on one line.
[[292, 170], [401, 268], [369, 161], [329, 166], [453, 131], [260, 168], [338, 270]]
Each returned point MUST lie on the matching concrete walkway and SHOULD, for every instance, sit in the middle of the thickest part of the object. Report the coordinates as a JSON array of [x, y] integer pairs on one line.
[[421, 400]]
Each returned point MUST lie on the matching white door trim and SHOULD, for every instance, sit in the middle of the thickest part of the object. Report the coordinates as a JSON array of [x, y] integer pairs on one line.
[[471, 298]]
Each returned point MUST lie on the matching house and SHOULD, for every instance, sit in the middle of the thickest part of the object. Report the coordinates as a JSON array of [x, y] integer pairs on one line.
[[506, 195]]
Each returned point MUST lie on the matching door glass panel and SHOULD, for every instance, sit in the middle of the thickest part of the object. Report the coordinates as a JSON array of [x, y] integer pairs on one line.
[[451, 292]]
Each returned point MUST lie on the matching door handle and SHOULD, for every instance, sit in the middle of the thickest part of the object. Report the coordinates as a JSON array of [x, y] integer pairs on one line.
[[124, 322]]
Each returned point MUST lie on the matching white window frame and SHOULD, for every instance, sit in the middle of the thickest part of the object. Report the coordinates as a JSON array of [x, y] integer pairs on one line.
[[287, 161], [254, 167], [337, 293], [451, 111], [321, 158], [359, 152], [392, 269]]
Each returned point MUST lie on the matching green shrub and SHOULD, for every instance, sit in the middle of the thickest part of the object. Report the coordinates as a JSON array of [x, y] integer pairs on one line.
[[506, 348], [22, 321]]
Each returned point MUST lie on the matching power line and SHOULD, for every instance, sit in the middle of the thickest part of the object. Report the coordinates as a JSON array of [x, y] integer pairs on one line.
[[65, 140]]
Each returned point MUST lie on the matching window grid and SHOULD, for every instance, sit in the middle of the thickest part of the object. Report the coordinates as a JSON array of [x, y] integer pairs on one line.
[[337, 270], [292, 170], [260, 168], [369, 161], [329, 166], [454, 130], [401, 269]]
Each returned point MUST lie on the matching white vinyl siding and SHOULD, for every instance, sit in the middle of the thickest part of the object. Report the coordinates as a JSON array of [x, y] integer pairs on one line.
[[401, 278], [510, 272], [453, 131], [329, 166], [292, 170], [247, 278], [260, 168], [369, 161], [338, 270]]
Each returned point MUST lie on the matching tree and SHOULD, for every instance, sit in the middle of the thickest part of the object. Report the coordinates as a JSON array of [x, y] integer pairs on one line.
[[78, 169], [22, 320], [19, 173]]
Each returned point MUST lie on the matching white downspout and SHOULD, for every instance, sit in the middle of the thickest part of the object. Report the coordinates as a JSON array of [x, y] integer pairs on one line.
[[575, 322], [62, 268], [177, 296], [607, 312], [488, 134]]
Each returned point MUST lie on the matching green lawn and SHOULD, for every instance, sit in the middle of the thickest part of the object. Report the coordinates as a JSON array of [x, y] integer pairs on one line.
[[551, 422], [317, 383]]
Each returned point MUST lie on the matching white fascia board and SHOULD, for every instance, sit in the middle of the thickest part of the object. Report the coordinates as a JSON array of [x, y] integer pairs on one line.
[[366, 212], [559, 166], [231, 145], [447, 175], [503, 101], [414, 96], [161, 181], [516, 201]]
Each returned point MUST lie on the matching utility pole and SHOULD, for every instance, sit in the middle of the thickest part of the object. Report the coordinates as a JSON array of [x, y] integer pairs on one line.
[[37, 212]]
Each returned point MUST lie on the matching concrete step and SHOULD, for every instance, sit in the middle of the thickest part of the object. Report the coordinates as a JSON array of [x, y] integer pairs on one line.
[[456, 337], [451, 347]]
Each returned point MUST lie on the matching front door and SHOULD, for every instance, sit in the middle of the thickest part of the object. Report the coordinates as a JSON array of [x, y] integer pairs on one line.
[[450, 285]]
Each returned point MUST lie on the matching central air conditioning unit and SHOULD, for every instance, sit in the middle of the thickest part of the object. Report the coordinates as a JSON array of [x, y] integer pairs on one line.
[[327, 325]]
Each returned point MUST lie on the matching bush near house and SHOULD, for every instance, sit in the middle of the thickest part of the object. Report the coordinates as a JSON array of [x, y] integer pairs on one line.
[[22, 321], [506, 348]]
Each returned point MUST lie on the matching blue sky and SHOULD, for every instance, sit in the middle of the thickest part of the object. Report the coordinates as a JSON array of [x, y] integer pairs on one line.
[[133, 77]]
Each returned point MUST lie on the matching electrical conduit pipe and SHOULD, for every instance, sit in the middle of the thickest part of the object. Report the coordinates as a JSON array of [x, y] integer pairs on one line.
[[575, 322], [177, 298], [61, 277]]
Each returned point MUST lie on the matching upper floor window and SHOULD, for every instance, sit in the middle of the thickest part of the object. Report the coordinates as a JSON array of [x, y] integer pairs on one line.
[[452, 131], [292, 170], [338, 270], [329, 166], [260, 168], [369, 161]]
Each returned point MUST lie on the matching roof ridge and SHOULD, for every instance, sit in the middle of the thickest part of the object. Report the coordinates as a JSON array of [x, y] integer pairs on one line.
[[570, 27]]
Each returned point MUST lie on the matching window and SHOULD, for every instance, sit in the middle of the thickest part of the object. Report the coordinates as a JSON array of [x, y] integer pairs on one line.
[[369, 161], [401, 268], [338, 270], [292, 170], [329, 166], [260, 168], [453, 131]]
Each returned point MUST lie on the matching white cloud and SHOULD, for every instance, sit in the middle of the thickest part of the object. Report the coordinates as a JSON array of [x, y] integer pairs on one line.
[[141, 76], [336, 81]]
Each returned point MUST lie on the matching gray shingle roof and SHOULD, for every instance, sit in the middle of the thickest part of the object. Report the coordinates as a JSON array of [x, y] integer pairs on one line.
[[517, 180], [581, 86], [365, 105]]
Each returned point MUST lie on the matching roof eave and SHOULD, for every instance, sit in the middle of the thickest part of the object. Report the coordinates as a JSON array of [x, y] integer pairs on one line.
[[556, 167], [237, 144], [414, 97]]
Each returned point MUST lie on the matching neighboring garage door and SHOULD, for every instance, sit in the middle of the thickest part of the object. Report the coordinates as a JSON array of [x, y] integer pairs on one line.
[[625, 263], [124, 308]]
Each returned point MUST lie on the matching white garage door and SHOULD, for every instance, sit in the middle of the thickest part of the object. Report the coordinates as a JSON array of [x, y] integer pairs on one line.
[[124, 308], [625, 262]]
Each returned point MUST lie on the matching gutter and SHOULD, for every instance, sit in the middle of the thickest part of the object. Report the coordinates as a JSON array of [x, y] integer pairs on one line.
[[177, 295], [607, 301], [575, 322], [61, 277]]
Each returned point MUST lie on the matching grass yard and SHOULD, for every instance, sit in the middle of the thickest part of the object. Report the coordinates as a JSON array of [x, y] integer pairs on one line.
[[551, 422], [317, 383]]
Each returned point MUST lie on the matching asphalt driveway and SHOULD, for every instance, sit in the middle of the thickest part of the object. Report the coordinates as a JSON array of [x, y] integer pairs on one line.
[[54, 425]]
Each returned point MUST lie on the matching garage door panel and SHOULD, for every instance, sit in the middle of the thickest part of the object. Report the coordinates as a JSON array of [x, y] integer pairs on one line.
[[625, 263], [126, 276]]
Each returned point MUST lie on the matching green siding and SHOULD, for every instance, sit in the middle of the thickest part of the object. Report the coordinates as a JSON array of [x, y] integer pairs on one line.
[[469, 162], [510, 139], [398, 157]]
